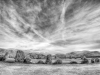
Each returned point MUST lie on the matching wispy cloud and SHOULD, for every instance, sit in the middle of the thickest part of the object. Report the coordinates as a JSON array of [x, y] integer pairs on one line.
[[61, 26]]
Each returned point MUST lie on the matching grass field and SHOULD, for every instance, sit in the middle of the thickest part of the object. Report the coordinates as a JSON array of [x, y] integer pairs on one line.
[[33, 69]]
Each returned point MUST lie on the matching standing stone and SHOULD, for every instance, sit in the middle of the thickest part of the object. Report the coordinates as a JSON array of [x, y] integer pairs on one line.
[[3, 55], [92, 60], [96, 60], [27, 59], [84, 60], [19, 56], [49, 59], [58, 61]]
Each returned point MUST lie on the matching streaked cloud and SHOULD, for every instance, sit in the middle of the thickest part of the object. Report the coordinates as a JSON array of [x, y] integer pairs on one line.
[[59, 26]]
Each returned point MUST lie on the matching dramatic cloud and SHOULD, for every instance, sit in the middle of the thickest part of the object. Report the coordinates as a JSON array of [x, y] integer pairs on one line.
[[50, 25]]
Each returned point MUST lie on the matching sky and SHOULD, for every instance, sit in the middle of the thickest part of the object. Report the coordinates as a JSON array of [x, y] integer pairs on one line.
[[50, 25]]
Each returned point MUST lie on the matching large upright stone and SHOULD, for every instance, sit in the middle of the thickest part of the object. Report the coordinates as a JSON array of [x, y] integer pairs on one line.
[[96, 60], [20, 56], [49, 59], [84, 60], [10, 56], [27, 59], [92, 60]]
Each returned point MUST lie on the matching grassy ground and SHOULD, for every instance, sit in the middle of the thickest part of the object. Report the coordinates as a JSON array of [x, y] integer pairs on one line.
[[33, 69]]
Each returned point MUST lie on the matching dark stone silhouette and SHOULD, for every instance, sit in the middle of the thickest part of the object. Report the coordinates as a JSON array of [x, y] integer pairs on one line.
[[3, 56], [84, 60], [73, 62], [40, 62], [58, 62], [49, 59], [20, 56], [96, 60], [27, 60], [92, 60]]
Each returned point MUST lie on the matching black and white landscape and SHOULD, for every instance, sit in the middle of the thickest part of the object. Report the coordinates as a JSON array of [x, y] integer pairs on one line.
[[49, 37]]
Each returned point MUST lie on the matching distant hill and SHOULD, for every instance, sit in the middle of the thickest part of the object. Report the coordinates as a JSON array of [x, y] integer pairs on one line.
[[83, 53]]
